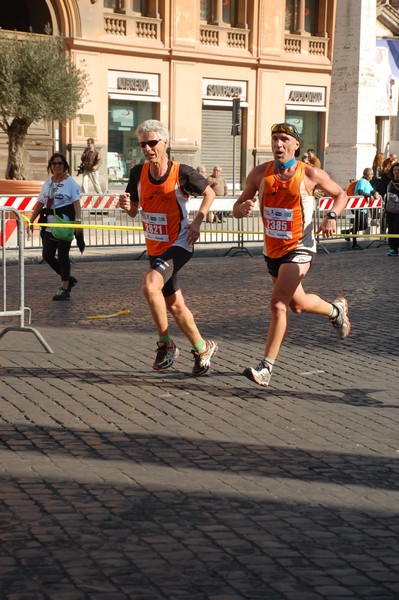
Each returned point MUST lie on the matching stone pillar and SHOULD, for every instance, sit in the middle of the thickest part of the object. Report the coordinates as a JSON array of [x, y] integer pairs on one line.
[[351, 124]]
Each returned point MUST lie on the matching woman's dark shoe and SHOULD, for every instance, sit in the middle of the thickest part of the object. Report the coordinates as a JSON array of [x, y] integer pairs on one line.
[[61, 295], [72, 282]]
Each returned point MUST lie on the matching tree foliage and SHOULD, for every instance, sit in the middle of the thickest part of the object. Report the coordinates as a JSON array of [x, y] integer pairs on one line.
[[37, 81]]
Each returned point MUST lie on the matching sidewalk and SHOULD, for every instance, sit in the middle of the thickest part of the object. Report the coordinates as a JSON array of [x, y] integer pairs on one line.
[[118, 482]]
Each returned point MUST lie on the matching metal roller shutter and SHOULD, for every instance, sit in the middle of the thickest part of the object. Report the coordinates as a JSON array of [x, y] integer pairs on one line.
[[217, 142]]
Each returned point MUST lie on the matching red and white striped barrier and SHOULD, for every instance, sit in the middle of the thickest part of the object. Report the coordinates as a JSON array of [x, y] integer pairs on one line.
[[28, 203], [353, 202], [21, 203], [99, 202]]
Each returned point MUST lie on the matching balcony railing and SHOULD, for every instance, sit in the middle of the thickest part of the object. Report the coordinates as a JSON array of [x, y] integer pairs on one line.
[[213, 35], [143, 28], [298, 44]]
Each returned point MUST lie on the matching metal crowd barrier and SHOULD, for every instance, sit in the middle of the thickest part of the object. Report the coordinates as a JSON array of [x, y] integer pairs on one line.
[[11, 225], [109, 226], [375, 232]]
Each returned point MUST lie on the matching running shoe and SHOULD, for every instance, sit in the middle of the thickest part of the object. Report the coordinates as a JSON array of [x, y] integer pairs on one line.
[[166, 354], [392, 253], [61, 294], [202, 361], [261, 374], [71, 283], [341, 323]]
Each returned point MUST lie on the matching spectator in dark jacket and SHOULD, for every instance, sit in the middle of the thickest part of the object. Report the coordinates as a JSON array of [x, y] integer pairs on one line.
[[90, 164]]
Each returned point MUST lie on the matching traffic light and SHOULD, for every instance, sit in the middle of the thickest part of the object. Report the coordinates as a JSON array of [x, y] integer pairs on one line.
[[236, 117]]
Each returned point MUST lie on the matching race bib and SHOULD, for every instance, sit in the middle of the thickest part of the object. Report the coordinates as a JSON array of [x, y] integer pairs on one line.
[[155, 226], [278, 222]]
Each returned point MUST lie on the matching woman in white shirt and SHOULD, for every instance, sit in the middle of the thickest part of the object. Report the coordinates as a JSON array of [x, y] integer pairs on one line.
[[61, 193]]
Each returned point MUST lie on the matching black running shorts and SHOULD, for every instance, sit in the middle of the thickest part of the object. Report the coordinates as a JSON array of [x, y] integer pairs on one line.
[[168, 265], [296, 256]]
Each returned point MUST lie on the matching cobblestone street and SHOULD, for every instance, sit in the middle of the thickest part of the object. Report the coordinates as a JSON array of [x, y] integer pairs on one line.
[[118, 482]]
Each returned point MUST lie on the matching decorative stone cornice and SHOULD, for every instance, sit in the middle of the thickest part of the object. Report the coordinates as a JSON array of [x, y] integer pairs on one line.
[[388, 16]]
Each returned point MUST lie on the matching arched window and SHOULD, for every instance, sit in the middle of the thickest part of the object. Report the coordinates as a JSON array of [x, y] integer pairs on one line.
[[22, 15]]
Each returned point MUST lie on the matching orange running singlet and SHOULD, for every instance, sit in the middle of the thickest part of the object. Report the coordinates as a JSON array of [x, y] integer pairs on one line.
[[287, 213], [164, 212]]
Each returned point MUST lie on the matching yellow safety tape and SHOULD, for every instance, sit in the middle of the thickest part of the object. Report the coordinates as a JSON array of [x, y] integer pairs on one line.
[[213, 231], [120, 313]]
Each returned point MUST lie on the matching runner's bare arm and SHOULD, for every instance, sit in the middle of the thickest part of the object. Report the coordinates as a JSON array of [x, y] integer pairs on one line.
[[193, 228], [317, 177], [245, 203]]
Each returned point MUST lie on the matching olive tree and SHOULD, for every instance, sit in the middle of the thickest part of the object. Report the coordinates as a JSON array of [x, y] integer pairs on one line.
[[38, 81]]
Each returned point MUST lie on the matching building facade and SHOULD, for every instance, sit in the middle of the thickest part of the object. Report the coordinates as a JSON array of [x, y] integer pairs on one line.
[[185, 63]]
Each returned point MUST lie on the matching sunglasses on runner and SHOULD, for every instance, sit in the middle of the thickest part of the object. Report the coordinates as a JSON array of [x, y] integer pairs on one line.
[[57, 162], [286, 128], [150, 143]]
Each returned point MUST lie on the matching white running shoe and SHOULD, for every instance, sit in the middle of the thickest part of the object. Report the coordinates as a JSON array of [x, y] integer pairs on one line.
[[341, 323], [202, 361], [260, 375]]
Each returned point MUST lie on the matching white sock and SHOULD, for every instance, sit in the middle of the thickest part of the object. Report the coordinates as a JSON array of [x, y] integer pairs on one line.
[[269, 362], [334, 312]]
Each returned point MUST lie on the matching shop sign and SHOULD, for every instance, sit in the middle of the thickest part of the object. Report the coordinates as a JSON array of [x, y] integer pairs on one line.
[[135, 85], [146, 84], [222, 89], [305, 95]]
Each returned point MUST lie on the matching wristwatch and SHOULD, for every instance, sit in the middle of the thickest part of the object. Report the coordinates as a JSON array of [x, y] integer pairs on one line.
[[331, 214]]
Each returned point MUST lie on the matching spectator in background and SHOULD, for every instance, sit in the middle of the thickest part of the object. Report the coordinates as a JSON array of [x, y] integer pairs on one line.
[[378, 170], [90, 161], [219, 186], [60, 194], [386, 173], [360, 222], [305, 158], [313, 159], [392, 210], [201, 170]]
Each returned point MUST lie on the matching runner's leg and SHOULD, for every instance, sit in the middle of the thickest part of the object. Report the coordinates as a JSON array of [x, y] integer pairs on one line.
[[183, 317], [285, 287], [152, 289]]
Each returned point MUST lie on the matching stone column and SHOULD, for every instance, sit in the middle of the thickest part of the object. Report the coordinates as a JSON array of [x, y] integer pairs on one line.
[[351, 124]]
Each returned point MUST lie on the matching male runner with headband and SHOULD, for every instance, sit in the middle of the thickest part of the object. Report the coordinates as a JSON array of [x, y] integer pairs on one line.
[[286, 202], [162, 187]]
